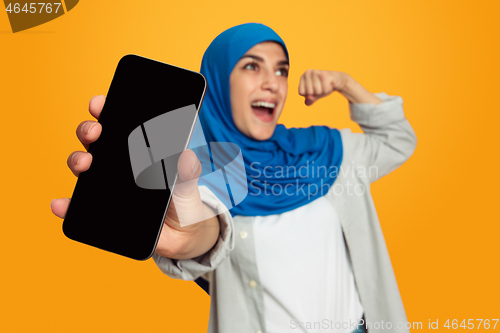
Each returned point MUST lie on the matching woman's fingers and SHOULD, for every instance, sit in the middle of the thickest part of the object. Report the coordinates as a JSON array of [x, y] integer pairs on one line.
[[88, 132], [310, 86], [309, 83], [96, 104], [302, 86], [59, 207], [318, 83], [79, 161]]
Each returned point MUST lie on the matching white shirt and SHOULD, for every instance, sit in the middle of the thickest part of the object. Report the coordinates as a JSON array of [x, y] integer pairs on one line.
[[291, 245]]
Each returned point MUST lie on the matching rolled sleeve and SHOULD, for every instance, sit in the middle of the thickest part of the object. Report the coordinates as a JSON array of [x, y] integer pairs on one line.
[[378, 115], [191, 269], [388, 139]]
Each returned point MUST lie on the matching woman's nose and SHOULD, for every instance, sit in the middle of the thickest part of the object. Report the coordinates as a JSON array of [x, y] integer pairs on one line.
[[270, 82]]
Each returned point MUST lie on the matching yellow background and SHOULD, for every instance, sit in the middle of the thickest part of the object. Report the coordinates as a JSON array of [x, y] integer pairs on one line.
[[439, 211]]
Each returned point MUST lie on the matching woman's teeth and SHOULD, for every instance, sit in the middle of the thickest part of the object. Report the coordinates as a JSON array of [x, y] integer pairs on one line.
[[264, 104]]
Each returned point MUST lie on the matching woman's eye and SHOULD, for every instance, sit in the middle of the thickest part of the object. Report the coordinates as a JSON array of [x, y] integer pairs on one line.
[[251, 66], [282, 72]]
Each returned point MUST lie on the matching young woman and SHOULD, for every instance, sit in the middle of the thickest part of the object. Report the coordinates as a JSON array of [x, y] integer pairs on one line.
[[304, 251]]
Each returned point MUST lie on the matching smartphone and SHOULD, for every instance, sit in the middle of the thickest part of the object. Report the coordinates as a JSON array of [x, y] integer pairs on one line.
[[120, 203]]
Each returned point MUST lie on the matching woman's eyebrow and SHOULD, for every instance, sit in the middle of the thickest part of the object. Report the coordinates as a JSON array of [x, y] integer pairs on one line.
[[282, 62]]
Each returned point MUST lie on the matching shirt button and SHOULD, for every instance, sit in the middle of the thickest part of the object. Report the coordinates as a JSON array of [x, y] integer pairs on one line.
[[252, 283], [243, 234]]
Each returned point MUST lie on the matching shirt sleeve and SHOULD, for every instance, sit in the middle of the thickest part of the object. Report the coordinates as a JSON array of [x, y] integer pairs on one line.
[[388, 139], [191, 269]]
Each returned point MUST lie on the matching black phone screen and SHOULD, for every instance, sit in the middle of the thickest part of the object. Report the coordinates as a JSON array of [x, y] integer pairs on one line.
[[119, 204]]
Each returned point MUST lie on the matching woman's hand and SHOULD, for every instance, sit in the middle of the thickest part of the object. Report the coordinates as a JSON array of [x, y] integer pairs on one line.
[[201, 225], [315, 84]]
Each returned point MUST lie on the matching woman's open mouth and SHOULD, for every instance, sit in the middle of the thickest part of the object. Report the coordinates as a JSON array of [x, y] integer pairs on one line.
[[264, 110]]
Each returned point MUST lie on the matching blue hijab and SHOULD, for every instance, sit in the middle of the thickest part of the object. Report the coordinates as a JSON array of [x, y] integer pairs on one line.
[[292, 168]]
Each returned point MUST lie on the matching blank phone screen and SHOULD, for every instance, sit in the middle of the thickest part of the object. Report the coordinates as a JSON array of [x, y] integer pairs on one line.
[[119, 204]]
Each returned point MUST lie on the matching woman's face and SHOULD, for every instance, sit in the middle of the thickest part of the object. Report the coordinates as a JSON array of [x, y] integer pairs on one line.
[[258, 89]]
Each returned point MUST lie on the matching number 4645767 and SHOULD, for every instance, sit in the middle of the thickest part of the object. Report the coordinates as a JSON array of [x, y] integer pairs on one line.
[[33, 8], [470, 324]]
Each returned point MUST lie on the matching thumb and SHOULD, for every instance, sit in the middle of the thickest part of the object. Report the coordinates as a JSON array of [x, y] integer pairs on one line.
[[309, 100], [188, 170], [189, 208]]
